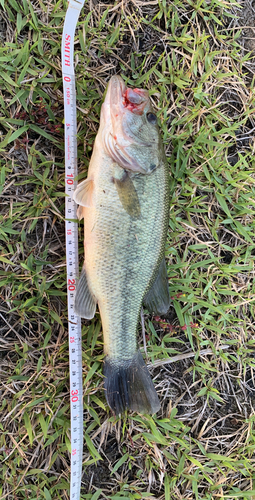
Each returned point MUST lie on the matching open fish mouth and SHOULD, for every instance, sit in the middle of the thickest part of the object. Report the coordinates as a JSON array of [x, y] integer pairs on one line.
[[121, 97]]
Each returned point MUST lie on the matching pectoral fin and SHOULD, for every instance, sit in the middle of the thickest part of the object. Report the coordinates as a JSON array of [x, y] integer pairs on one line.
[[85, 302], [157, 300], [83, 193], [80, 213], [127, 193]]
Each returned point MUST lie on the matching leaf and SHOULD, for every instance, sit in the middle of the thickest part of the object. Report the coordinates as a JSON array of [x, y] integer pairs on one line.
[[150, 439], [243, 231], [28, 427], [14, 5], [96, 495], [43, 424], [180, 467], [195, 461], [42, 132], [32, 11], [19, 22], [7, 261], [47, 494], [23, 72], [239, 494], [167, 488], [178, 311], [120, 462], [9, 230], [221, 458], [8, 79], [14, 99], [36, 402], [29, 302], [2, 178], [98, 402], [17, 133], [56, 317], [39, 364], [91, 372], [92, 448], [202, 392], [216, 396], [223, 204], [114, 36]]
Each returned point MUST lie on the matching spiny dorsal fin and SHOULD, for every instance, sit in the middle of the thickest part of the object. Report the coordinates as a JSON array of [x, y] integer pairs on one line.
[[157, 300], [85, 302], [83, 193]]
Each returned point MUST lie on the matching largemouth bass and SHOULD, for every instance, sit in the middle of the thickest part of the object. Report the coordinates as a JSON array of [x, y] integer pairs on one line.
[[125, 205]]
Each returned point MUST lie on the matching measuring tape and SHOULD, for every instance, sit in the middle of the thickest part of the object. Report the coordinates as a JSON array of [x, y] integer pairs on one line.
[[72, 262]]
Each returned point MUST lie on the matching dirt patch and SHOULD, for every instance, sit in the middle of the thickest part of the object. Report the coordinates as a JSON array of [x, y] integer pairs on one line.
[[246, 21]]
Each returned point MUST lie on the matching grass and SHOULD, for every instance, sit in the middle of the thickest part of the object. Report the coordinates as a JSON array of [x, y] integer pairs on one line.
[[193, 57]]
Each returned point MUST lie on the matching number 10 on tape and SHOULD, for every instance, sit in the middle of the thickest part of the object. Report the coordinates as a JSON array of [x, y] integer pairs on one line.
[[72, 263]]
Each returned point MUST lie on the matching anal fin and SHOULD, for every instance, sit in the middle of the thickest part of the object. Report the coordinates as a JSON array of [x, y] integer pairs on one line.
[[85, 302], [157, 300]]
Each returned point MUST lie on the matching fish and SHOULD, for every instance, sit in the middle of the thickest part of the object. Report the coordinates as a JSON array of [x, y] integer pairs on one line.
[[125, 205]]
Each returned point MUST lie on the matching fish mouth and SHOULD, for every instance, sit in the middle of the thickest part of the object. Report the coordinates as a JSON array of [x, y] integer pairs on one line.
[[119, 105], [120, 97]]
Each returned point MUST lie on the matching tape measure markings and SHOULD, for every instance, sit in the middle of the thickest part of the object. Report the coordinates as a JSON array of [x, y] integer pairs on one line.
[[72, 262]]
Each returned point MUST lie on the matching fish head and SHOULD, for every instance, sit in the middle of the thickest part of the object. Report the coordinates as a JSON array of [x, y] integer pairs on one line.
[[129, 128]]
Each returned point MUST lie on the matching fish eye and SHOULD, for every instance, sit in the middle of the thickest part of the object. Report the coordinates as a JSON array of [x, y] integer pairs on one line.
[[151, 117]]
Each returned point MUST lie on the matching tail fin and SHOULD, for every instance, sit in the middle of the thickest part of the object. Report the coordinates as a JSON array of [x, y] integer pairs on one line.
[[128, 385]]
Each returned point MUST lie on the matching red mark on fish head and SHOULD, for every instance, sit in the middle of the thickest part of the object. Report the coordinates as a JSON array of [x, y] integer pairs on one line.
[[135, 100]]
